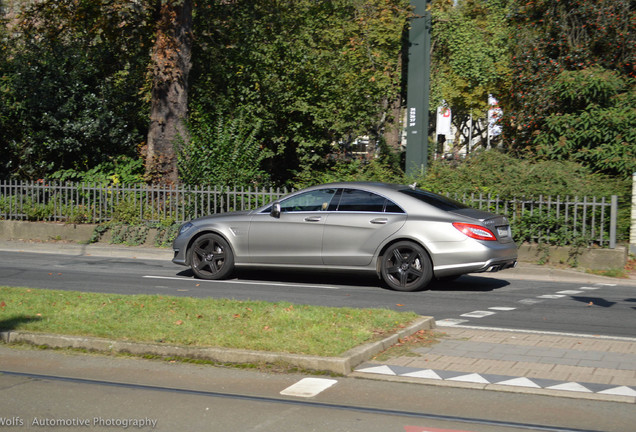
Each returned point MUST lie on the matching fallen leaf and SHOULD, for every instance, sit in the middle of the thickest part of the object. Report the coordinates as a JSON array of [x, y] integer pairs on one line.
[[179, 322], [399, 305], [3, 304]]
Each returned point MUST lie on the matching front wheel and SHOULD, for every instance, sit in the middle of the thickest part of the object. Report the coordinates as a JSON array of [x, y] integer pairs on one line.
[[211, 257], [405, 266]]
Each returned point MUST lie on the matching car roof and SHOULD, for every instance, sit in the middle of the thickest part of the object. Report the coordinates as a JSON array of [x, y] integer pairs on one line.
[[362, 185]]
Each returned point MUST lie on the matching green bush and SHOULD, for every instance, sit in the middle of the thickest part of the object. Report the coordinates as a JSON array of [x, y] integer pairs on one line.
[[498, 173], [222, 152]]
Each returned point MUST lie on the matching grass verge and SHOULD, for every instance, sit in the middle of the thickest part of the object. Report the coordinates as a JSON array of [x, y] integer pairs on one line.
[[252, 325]]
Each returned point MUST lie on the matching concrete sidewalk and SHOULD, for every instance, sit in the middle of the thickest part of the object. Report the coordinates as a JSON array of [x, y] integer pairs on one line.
[[515, 361]]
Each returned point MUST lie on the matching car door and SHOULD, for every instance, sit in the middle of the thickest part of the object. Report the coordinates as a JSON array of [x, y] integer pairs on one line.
[[294, 238], [362, 220]]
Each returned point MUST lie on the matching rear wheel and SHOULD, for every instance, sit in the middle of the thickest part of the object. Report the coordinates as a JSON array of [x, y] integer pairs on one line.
[[211, 257], [406, 266]]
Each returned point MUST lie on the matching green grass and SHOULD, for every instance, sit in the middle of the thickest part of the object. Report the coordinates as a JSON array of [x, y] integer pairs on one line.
[[254, 325]]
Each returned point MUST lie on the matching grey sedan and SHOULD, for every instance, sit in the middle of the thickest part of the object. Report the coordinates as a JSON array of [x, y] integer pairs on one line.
[[406, 235]]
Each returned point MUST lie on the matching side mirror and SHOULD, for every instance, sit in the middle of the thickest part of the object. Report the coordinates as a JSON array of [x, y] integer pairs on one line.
[[275, 212]]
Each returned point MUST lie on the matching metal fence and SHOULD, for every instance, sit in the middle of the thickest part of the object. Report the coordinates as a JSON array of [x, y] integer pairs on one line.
[[543, 219]]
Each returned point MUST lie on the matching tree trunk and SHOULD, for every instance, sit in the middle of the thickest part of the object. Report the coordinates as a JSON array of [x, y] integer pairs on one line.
[[169, 104]]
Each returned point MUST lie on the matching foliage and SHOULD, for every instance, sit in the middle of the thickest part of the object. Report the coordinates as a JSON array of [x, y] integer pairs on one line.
[[470, 53], [222, 152], [595, 124], [550, 37], [498, 173], [312, 73], [119, 170], [70, 79]]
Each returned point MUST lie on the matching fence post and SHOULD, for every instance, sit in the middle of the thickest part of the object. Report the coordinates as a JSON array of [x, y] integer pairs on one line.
[[613, 218], [632, 232]]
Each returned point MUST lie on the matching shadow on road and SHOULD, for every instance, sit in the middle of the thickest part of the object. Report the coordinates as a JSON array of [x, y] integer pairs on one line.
[[360, 279]]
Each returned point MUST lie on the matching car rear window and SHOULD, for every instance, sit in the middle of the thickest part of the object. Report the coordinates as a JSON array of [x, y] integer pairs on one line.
[[355, 200], [437, 201]]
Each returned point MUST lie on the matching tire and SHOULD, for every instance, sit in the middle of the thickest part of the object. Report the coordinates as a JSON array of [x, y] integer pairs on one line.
[[406, 266], [211, 257]]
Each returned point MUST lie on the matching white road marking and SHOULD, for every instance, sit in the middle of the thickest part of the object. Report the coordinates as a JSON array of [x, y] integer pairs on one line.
[[473, 378], [478, 314], [570, 386], [551, 296], [427, 373], [241, 282], [450, 322], [382, 370], [308, 387], [519, 382], [620, 391], [530, 301], [502, 308], [570, 292]]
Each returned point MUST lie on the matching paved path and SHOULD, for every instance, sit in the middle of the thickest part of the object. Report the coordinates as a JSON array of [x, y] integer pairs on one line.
[[577, 366]]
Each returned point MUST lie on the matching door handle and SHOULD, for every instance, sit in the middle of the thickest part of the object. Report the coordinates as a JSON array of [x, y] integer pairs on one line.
[[379, 221], [312, 219]]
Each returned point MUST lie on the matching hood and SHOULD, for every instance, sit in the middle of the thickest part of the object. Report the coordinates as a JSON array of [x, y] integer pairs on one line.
[[218, 216]]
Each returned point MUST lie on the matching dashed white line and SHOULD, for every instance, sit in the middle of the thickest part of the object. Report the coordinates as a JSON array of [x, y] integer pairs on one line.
[[478, 314]]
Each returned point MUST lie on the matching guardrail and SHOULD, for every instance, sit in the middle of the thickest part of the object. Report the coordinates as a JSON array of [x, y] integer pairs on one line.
[[542, 220]]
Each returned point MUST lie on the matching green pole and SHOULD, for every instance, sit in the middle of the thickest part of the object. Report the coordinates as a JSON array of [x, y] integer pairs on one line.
[[419, 71]]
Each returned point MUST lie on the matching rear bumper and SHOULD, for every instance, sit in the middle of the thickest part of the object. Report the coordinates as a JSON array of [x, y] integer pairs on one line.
[[482, 257], [498, 266]]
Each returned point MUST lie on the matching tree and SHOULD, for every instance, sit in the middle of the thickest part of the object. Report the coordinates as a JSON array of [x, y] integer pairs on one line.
[[171, 56], [594, 123], [471, 55], [309, 73], [551, 37], [71, 76]]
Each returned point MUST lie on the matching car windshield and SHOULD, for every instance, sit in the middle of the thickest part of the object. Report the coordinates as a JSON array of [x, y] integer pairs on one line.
[[437, 201]]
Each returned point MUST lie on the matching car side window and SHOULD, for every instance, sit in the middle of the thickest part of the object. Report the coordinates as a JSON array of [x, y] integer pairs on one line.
[[316, 200], [354, 200]]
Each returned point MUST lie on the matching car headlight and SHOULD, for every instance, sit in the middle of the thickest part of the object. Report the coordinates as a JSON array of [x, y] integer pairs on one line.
[[185, 227]]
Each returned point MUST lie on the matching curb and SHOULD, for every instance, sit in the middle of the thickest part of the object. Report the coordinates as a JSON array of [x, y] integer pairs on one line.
[[498, 388], [342, 365]]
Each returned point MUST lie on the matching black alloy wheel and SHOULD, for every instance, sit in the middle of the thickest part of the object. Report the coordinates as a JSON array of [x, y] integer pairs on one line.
[[211, 257], [406, 266]]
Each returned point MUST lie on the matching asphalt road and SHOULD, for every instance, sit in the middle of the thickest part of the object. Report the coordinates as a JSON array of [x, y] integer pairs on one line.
[[109, 393], [491, 300]]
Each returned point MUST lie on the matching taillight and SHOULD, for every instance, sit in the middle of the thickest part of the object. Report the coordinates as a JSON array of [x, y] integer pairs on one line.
[[475, 231]]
